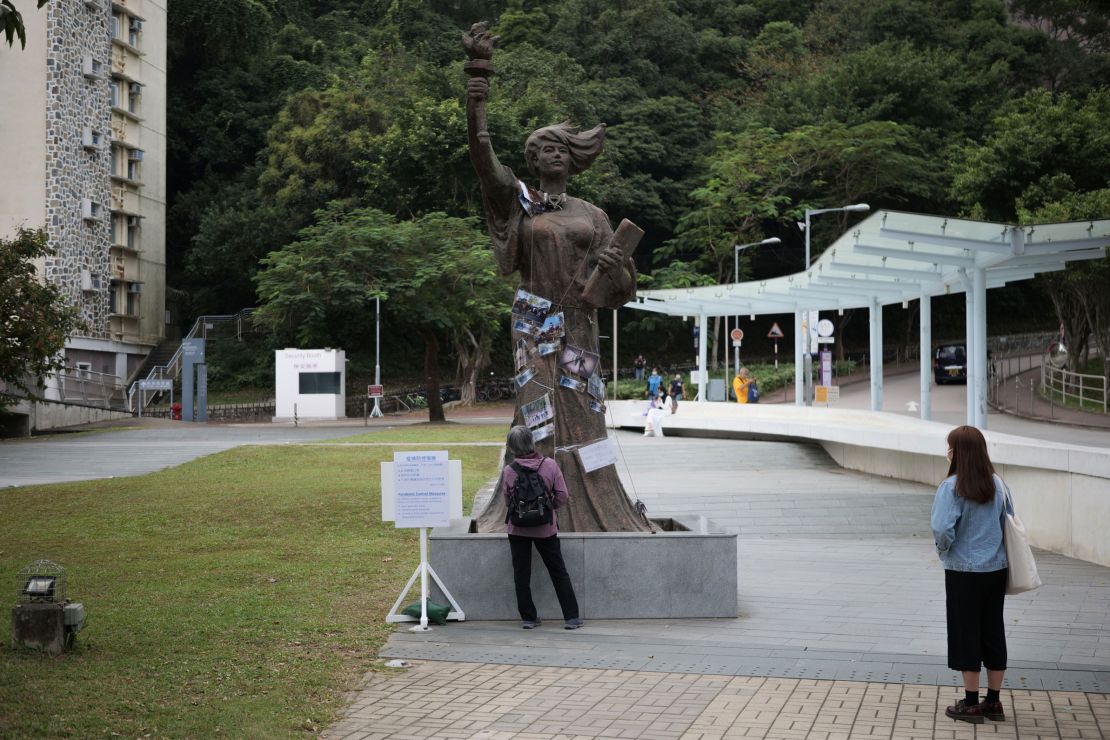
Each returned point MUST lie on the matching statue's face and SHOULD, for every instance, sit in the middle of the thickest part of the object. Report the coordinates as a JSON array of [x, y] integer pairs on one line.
[[553, 158]]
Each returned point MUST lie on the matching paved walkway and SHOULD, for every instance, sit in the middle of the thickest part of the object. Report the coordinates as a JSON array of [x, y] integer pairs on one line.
[[841, 634]]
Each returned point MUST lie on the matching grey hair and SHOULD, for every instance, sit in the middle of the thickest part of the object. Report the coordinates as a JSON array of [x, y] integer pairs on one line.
[[520, 441]]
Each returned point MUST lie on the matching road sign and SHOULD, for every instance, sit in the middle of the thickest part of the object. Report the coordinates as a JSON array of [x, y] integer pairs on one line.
[[776, 332], [824, 328], [737, 334], [375, 391], [156, 384]]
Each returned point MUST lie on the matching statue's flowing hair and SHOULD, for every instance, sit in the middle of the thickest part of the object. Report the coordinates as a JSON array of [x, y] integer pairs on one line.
[[584, 146]]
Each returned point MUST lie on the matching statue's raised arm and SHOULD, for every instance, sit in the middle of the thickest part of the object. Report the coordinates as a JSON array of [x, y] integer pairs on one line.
[[479, 44]]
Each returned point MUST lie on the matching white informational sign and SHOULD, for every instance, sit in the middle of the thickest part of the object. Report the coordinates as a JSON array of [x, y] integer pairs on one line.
[[421, 487], [824, 328], [597, 455], [826, 367]]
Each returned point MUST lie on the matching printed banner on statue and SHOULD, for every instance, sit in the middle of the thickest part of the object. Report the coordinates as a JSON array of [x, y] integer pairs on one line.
[[568, 382], [543, 432], [548, 348], [596, 387], [597, 455], [539, 411], [530, 307], [524, 376], [521, 354], [552, 329], [578, 361]]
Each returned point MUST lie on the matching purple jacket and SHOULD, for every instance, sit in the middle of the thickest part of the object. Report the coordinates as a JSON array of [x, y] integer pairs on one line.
[[552, 476]]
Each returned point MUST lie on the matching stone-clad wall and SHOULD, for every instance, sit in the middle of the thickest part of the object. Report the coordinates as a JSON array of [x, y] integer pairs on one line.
[[74, 101]]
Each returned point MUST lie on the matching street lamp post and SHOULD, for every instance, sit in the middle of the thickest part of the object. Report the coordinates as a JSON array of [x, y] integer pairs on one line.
[[803, 366], [377, 353], [736, 249]]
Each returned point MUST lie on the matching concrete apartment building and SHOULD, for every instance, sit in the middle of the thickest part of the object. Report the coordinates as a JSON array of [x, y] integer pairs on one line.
[[83, 156]]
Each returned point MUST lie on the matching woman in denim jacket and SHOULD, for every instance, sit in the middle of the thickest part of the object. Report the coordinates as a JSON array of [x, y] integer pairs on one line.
[[968, 513]]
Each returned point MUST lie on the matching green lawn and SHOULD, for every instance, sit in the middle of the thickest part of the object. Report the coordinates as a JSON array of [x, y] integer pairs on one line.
[[238, 595], [432, 433]]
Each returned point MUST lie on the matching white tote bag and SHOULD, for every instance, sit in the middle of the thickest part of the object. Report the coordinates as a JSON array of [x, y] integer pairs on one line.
[[1022, 574]]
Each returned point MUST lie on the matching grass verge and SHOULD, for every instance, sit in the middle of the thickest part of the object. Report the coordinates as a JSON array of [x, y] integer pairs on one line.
[[431, 433], [239, 595]]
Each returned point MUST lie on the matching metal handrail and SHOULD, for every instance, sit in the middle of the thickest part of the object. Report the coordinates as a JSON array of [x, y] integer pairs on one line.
[[1058, 380], [75, 384], [200, 327]]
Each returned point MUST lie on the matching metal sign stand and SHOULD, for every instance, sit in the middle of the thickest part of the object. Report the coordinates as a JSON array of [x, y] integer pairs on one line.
[[424, 570]]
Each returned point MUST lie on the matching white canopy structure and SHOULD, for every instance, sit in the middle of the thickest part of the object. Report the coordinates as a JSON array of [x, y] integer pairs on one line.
[[893, 257]]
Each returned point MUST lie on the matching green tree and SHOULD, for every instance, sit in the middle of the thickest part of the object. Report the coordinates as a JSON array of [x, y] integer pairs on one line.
[[35, 318], [436, 276], [11, 22]]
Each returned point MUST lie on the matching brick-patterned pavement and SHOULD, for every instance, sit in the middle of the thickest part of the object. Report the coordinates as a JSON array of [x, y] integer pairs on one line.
[[502, 702]]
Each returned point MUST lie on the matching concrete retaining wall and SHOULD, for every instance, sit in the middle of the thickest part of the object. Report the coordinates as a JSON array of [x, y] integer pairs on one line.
[[1061, 491], [27, 417], [616, 575]]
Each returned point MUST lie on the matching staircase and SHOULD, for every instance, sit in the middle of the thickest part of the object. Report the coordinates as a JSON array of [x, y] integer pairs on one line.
[[155, 368]]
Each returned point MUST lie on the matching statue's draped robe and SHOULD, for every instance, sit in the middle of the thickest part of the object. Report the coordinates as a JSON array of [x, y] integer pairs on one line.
[[555, 253]]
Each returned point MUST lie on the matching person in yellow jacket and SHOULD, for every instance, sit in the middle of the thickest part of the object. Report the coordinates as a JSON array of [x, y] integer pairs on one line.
[[740, 385]]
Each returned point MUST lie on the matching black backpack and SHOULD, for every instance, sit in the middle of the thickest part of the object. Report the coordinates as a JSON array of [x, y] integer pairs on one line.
[[530, 503]]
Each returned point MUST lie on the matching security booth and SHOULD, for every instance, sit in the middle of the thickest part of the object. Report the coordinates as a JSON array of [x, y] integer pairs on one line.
[[310, 384]]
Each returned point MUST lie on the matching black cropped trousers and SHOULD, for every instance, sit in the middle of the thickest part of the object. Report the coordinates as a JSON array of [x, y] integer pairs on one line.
[[976, 629]]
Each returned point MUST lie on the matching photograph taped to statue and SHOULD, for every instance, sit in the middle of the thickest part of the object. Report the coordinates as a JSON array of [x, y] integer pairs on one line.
[[557, 243]]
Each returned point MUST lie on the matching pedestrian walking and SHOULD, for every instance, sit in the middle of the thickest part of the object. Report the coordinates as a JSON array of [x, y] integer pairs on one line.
[[676, 391], [967, 520], [525, 469], [654, 383], [638, 366]]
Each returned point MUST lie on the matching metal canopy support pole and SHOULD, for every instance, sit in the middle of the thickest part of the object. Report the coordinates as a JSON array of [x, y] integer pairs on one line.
[[377, 354], [799, 382], [876, 311], [703, 378], [926, 344], [969, 342], [979, 280]]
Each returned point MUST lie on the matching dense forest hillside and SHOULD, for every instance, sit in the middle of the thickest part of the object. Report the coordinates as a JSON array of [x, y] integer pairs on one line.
[[318, 150]]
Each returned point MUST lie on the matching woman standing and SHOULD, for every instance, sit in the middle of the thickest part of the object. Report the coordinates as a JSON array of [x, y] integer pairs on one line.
[[968, 514], [740, 385]]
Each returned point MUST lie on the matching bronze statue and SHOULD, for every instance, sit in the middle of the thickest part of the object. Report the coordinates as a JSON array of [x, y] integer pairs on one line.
[[570, 264]]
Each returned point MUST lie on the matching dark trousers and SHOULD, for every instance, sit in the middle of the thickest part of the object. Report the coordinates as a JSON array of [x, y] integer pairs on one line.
[[552, 556], [976, 630]]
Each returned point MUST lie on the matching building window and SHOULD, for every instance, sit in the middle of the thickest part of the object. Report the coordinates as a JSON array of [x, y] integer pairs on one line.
[[133, 232], [134, 30], [132, 304], [114, 93], [112, 300], [134, 93], [314, 383], [114, 166], [83, 369], [132, 170], [117, 21]]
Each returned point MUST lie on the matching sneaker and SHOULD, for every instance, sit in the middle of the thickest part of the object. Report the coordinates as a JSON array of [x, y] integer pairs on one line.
[[573, 624], [965, 712], [531, 624], [992, 710]]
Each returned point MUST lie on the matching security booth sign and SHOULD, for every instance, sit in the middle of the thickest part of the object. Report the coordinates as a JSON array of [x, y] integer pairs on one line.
[[375, 391]]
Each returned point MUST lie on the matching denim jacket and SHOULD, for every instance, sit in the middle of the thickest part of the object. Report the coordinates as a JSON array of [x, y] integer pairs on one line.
[[969, 535]]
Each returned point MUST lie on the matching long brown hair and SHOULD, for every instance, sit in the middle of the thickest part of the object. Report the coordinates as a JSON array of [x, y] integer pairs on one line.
[[971, 464]]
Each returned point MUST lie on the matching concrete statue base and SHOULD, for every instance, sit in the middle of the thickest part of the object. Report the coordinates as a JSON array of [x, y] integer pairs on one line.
[[687, 569]]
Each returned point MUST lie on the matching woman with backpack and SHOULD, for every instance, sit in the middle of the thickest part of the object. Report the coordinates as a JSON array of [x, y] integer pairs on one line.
[[534, 488]]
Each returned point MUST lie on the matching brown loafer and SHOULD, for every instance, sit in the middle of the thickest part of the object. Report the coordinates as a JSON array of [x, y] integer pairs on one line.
[[965, 712], [992, 710]]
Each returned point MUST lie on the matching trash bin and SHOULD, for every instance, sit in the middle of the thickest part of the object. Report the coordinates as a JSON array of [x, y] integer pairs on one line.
[[175, 411]]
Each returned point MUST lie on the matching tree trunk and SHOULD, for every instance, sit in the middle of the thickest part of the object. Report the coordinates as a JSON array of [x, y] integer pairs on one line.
[[431, 375], [473, 358], [1066, 299], [841, 325]]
